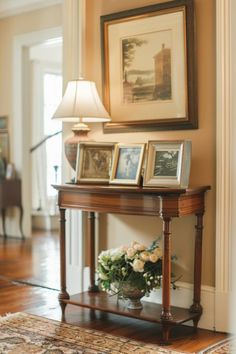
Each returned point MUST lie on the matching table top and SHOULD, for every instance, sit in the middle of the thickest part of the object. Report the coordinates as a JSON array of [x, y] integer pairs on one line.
[[96, 188], [131, 200]]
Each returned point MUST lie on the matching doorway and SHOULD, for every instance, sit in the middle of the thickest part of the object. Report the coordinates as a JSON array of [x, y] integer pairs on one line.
[[46, 151], [22, 110]]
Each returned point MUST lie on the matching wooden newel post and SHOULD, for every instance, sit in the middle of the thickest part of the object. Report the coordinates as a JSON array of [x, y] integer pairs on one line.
[[91, 244]]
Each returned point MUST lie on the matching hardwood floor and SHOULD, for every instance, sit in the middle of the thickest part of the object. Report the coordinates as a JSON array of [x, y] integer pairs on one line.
[[36, 262]]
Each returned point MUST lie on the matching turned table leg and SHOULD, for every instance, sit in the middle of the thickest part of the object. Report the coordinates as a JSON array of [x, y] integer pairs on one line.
[[63, 295], [166, 279], [91, 238], [196, 306], [3, 212], [21, 222]]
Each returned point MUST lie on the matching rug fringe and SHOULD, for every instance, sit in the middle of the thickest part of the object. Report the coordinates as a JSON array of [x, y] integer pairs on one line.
[[9, 315]]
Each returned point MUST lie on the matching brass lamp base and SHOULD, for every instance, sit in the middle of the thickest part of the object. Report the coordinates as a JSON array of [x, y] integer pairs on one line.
[[80, 134]]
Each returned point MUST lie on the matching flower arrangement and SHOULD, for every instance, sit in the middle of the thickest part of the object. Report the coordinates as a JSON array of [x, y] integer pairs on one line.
[[137, 264]]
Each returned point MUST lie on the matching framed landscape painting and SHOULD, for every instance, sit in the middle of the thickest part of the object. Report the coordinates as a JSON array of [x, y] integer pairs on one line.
[[149, 67], [127, 164], [94, 162], [168, 164]]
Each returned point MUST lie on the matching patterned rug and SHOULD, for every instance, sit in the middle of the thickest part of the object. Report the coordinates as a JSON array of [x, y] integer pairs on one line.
[[22, 333], [227, 346]]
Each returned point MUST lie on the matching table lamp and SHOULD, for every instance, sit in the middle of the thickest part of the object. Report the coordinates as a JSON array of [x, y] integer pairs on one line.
[[80, 103]]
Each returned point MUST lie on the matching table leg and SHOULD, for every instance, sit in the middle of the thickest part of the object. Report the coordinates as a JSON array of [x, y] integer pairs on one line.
[[3, 212], [21, 221], [166, 270], [166, 279], [63, 295], [196, 307], [91, 237]]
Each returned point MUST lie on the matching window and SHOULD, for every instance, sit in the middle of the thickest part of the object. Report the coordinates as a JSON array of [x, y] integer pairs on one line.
[[52, 95]]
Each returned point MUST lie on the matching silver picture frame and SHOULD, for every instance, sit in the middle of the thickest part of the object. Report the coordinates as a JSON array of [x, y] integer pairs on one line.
[[168, 164]]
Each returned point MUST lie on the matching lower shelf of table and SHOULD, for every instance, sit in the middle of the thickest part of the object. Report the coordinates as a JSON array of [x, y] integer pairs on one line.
[[150, 311]]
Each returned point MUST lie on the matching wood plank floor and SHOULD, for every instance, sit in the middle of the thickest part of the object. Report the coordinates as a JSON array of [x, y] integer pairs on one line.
[[36, 261]]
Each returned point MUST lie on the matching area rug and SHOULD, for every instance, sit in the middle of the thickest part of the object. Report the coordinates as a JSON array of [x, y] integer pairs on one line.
[[22, 333], [226, 346]]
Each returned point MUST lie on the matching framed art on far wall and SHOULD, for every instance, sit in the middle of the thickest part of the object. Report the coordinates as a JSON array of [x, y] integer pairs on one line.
[[127, 164], [168, 164], [4, 145], [94, 162], [149, 76], [3, 123]]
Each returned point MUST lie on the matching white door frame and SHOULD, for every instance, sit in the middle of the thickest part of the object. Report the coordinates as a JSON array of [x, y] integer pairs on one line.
[[226, 162], [21, 112]]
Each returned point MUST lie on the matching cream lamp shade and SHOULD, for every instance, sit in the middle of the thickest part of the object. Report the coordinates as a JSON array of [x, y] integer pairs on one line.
[[80, 103]]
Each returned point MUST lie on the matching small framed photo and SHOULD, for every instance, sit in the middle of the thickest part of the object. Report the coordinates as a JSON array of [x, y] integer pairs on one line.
[[94, 162], [3, 123], [168, 164], [127, 164]]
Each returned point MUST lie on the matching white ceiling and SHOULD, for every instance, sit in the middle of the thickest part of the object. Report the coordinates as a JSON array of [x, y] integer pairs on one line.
[[13, 7]]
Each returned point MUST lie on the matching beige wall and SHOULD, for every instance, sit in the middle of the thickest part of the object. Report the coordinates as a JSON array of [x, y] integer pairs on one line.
[[14, 26], [116, 230]]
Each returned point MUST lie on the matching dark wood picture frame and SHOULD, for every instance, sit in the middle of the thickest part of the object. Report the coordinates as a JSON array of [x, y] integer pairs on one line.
[[188, 120]]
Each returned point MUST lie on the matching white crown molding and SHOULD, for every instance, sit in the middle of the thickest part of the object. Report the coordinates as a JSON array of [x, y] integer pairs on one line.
[[14, 7]]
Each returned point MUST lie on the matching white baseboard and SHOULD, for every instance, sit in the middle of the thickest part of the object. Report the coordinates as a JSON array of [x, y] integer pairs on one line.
[[223, 322], [46, 222], [183, 297]]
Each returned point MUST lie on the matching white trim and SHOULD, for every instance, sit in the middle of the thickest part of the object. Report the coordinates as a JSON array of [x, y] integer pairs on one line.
[[73, 37], [224, 170], [14, 7], [183, 297], [21, 117], [232, 302], [74, 251]]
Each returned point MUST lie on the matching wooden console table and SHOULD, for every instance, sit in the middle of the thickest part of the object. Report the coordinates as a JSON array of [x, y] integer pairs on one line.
[[160, 202], [10, 196]]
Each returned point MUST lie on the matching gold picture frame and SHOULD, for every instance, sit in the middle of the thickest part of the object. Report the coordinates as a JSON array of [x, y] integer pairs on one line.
[[148, 63], [168, 163], [94, 160], [127, 164]]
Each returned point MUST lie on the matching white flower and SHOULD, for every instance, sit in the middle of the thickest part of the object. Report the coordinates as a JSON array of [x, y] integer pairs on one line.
[[133, 243], [124, 248], [139, 247], [144, 256], [153, 258], [130, 252], [158, 251], [103, 276], [138, 265]]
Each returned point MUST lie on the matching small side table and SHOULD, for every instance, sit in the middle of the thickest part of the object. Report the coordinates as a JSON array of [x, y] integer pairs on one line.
[[10, 196]]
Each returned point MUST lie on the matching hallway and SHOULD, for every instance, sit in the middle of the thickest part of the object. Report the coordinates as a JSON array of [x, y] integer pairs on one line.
[[29, 277]]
